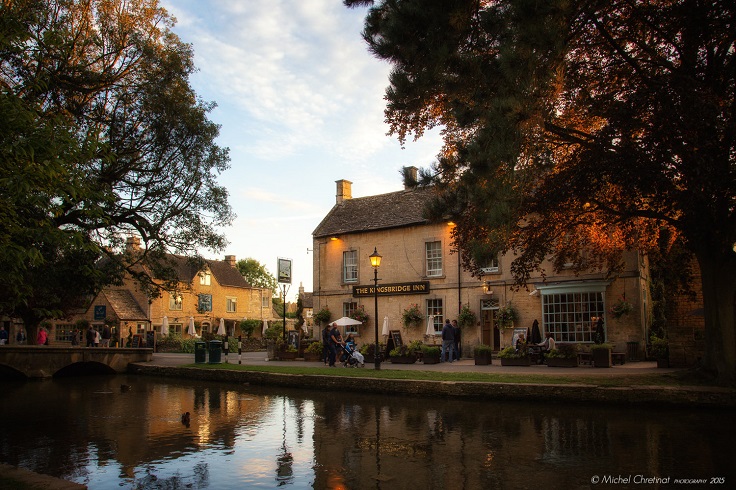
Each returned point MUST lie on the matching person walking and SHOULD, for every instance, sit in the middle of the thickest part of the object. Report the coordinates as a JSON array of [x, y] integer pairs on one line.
[[448, 341]]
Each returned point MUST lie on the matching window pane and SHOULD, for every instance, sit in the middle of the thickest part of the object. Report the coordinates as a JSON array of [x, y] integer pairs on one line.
[[350, 266], [434, 307], [572, 317], [434, 258]]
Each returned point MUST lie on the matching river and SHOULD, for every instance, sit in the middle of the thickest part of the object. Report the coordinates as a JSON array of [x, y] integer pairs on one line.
[[127, 432]]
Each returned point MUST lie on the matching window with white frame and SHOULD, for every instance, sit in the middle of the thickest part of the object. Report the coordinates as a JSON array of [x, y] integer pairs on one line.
[[350, 266], [175, 301], [434, 309], [572, 316], [205, 278], [433, 254], [492, 267], [232, 304], [265, 300], [348, 309]]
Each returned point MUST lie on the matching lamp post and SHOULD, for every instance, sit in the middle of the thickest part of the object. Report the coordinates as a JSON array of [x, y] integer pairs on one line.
[[376, 263]]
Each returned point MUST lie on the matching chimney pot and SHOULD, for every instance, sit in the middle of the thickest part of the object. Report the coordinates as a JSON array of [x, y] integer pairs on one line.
[[344, 190], [230, 259], [412, 171]]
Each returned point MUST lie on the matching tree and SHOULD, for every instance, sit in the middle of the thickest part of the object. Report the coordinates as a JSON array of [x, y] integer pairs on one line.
[[575, 130], [257, 275], [101, 138]]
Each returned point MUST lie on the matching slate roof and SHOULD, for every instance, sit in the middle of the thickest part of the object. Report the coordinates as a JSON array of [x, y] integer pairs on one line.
[[225, 274], [124, 305], [380, 212]]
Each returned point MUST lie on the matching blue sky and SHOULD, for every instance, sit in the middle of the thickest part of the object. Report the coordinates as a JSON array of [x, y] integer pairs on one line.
[[300, 104]]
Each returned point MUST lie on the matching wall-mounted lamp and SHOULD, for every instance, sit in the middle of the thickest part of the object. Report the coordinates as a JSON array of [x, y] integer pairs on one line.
[[487, 287], [450, 223], [534, 292], [334, 238]]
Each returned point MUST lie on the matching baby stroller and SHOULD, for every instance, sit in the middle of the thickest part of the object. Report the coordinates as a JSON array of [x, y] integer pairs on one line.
[[351, 357]]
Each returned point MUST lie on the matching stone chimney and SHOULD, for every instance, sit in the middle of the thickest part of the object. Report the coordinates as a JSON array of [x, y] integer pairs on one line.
[[412, 173], [344, 190], [230, 259], [132, 244]]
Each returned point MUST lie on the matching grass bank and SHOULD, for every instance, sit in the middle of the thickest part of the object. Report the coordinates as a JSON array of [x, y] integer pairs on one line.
[[674, 379]]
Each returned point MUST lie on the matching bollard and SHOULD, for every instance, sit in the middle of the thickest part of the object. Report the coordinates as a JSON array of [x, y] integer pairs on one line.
[[240, 348]]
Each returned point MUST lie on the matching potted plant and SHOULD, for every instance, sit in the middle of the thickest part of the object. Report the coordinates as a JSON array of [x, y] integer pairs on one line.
[[601, 354], [368, 351], [360, 315], [466, 318], [405, 353], [564, 355], [621, 307], [659, 349], [482, 354], [510, 357], [506, 316], [430, 354], [323, 316], [287, 352], [313, 352], [411, 316]]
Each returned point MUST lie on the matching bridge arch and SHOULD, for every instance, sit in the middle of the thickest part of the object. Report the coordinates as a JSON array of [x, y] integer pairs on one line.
[[37, 361]]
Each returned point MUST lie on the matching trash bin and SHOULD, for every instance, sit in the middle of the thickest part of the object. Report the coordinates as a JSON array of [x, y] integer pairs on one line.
[[200, 352], [215, 351]]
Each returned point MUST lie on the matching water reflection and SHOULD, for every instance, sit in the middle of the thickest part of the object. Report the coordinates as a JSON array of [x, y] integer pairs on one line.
[[90, 431]]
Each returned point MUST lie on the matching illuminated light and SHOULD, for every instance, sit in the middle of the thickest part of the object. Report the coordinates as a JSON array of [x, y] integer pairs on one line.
[[334, 238], [450, 223]]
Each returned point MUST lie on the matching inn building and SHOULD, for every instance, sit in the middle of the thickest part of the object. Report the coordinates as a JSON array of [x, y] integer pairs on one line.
[[419, 267]]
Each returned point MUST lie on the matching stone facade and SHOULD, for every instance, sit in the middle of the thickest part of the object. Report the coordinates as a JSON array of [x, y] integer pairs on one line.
[[419, 254]]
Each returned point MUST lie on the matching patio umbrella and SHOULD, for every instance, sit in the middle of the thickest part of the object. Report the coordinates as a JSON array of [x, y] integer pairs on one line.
[[191, 330], [165, 326], [344, 321], [384, 330], [430, 325], [221, 330], [265, 327], [536, 334]]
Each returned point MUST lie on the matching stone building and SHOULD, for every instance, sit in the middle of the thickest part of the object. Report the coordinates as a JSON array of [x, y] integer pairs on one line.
[[419, 267], [218, 291]]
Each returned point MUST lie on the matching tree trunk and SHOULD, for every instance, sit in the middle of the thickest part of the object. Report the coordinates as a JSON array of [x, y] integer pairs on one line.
[[718, 274]]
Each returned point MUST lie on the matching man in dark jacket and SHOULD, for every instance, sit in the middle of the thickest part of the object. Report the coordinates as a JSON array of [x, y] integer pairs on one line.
[[448, 341]]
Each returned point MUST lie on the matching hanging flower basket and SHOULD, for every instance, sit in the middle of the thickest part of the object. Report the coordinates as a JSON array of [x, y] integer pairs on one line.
[[621, 307], [507, 316], [411, 316]]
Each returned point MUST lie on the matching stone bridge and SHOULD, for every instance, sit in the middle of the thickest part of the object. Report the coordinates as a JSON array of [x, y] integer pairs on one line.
[[41, 361]]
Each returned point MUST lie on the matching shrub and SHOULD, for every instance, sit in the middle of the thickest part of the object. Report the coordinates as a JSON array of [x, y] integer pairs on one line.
[[430, 351], [314, 348], [506, 316], [659, 347], [482, 349], [601, 346], [249, 326], [564, 351], [411, 316], [511, 353], [466, 318]]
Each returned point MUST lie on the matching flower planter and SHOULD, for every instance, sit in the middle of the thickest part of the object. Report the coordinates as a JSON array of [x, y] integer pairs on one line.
[[403, 359], [483, 359], [601, 358], [311, 356], [287, 356], [430, 359], [663, 362], [515, 361], [562, 362]]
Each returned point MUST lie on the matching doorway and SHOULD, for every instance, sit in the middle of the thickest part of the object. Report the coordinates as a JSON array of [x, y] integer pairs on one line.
[[489, 332]]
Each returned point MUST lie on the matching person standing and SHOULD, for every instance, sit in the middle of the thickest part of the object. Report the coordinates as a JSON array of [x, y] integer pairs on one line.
[[97, 338], [42, 338], [106, 336], [335, 339], [90, 336], [75, 337], [3, 336], [456, 329], [448, 341], [20, 337], [326, 344]]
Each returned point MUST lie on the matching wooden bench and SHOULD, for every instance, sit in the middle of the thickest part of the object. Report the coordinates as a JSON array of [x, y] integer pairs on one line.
[[585, 359], [618, 358]]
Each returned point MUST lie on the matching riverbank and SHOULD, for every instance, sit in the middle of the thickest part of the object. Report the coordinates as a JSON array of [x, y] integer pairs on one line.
[[533, 383]]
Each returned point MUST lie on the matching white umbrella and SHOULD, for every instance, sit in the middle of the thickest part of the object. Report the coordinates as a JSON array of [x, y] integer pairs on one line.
[[265, 327], [221, 330], [430, 325], [191, 330], [384, 330], [346, 321], [165, 326]]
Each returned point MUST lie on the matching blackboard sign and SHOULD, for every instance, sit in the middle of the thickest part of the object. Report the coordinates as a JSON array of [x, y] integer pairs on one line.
[[151, 339], [396, 337], [294, 338], [137, 341]]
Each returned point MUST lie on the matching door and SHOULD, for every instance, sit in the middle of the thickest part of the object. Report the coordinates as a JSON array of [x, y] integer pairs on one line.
[[489, 333]]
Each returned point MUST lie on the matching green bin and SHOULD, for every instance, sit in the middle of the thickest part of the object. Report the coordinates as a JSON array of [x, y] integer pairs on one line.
[[200, 352], [215, 351]]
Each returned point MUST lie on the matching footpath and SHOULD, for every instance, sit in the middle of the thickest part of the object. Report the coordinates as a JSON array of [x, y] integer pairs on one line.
[[587, 390]]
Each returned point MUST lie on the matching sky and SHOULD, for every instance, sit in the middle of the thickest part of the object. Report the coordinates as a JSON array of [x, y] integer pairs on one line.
[[300, 102]]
